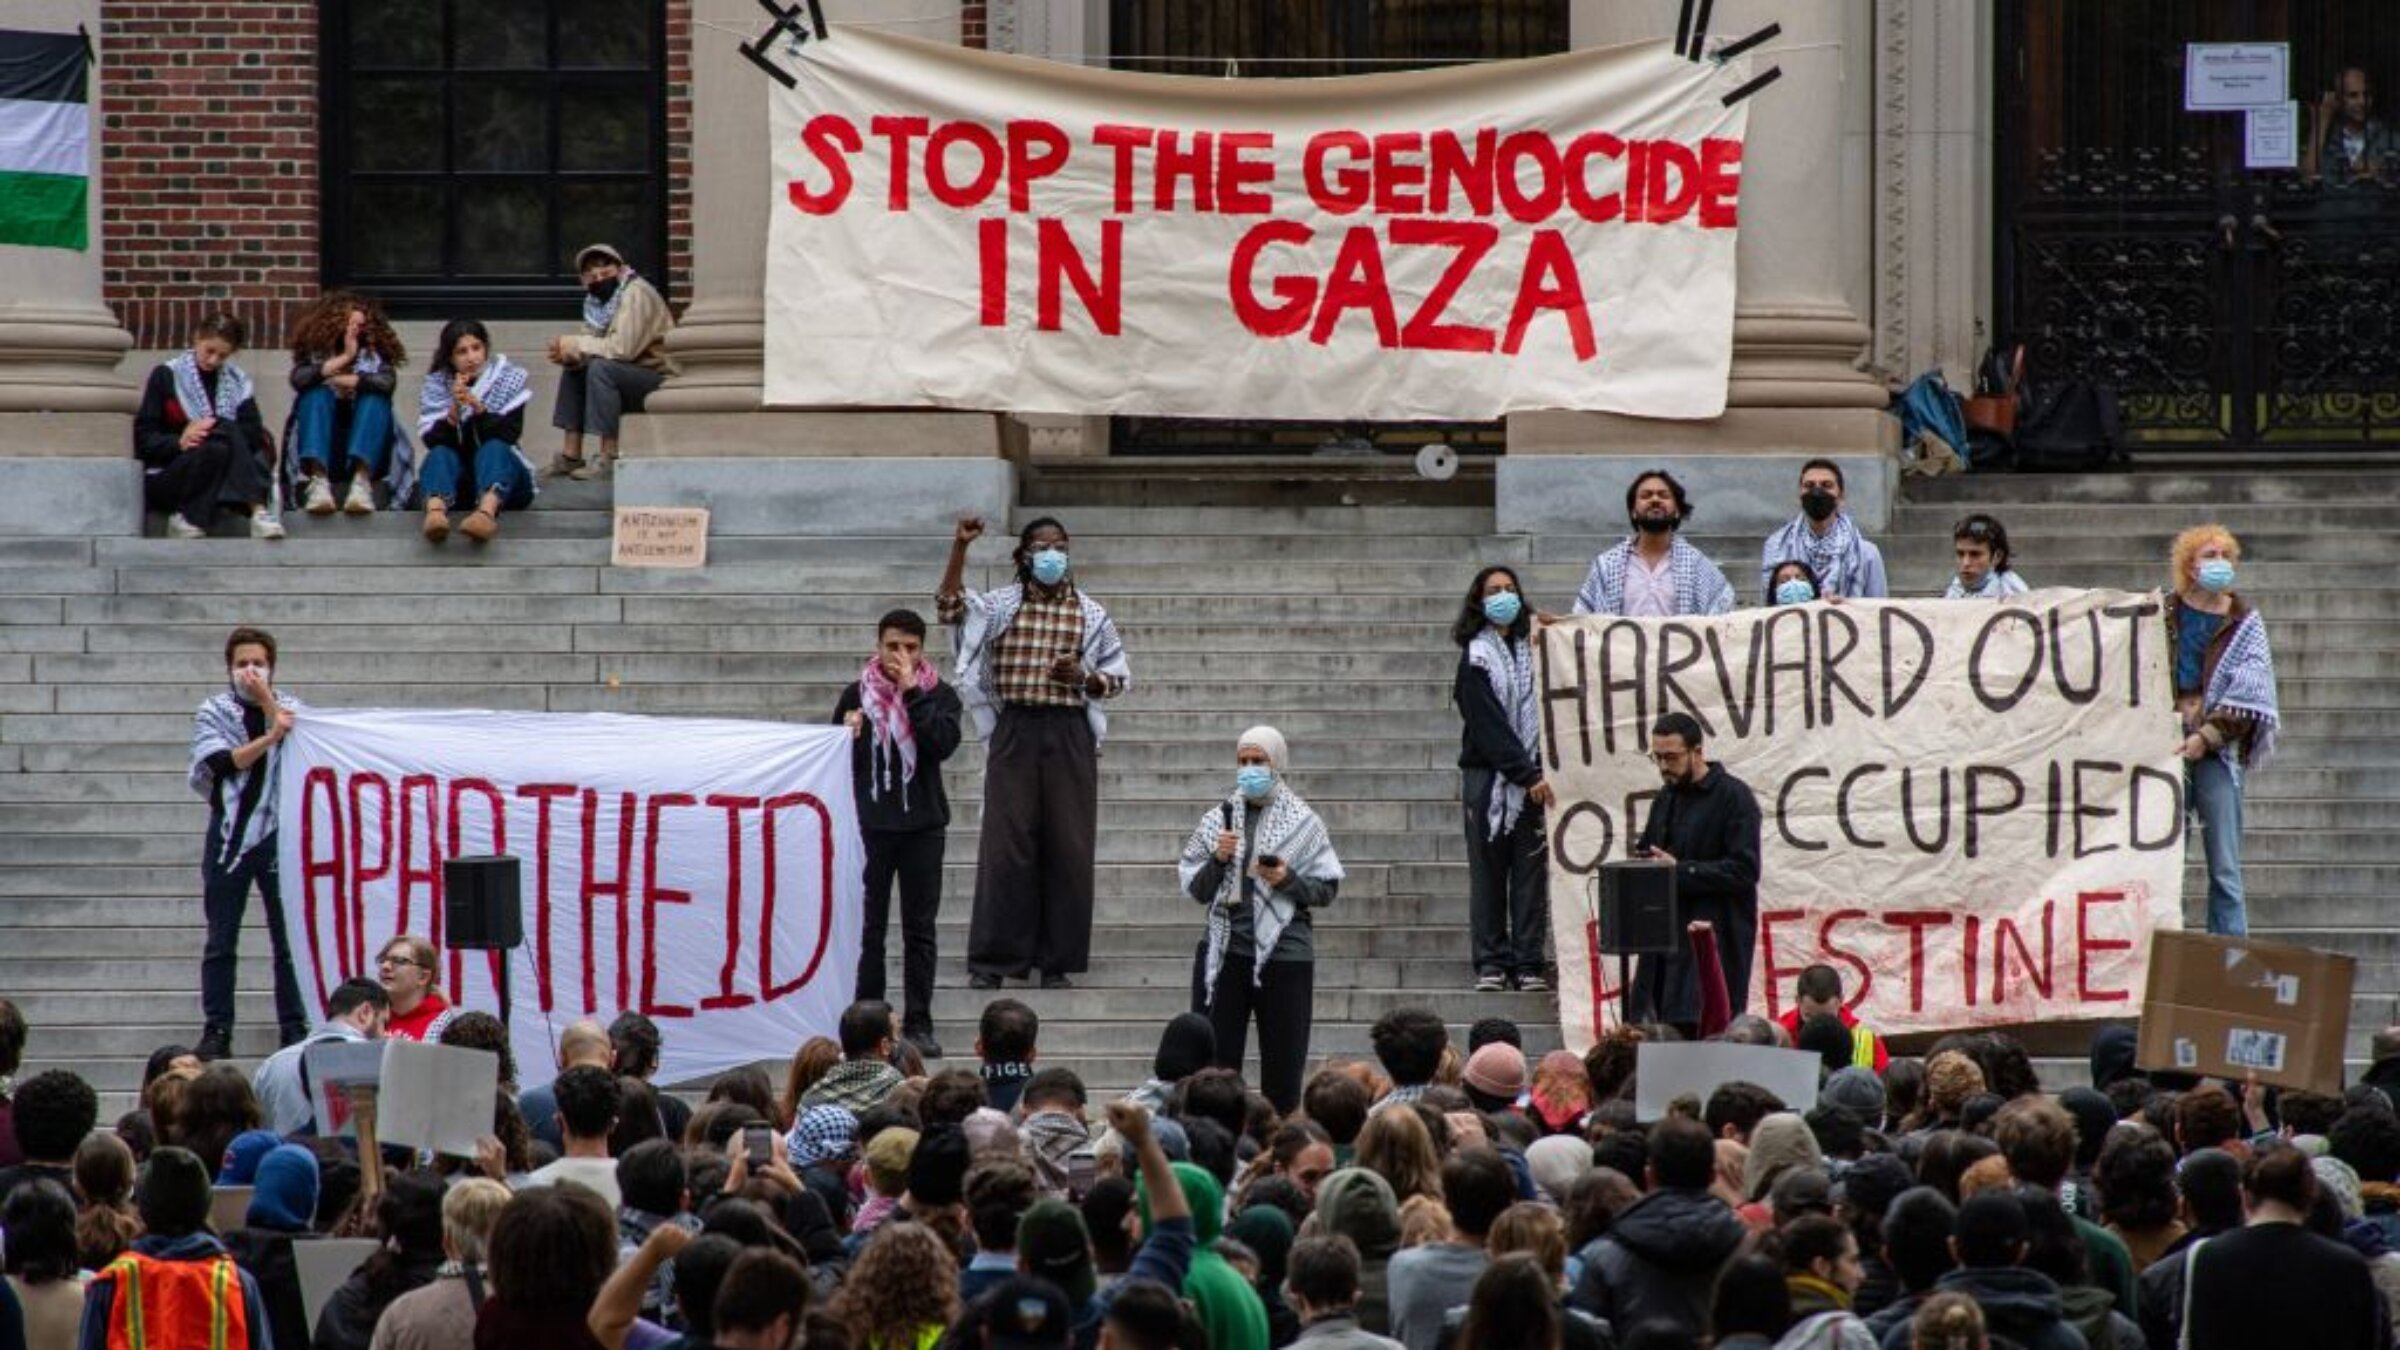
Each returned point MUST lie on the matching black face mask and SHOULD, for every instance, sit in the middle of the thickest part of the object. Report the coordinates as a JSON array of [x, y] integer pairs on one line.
[[1818, 505], [601, 290], [1657, 524]]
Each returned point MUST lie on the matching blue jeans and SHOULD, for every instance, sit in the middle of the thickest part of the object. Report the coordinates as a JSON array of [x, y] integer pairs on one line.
[[368, 446], [2216, 799], [497, 469]]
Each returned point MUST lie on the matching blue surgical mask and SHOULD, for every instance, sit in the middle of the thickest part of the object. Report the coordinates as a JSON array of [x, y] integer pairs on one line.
[[1255, 781], [1795, 592], [1503, 607], [2216, 574], [1050, 566]]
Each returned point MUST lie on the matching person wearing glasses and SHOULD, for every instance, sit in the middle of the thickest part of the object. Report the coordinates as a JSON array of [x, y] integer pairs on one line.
[[1705, 823], [1984, 570], [407, 968]]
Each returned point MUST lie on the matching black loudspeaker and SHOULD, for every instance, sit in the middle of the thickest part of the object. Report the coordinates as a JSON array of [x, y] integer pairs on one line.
[[1638, 912], [483, 904]]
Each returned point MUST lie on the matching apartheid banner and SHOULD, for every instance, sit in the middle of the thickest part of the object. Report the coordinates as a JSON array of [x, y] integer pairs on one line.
[[956, 228], [707, 873], [1974, 812]]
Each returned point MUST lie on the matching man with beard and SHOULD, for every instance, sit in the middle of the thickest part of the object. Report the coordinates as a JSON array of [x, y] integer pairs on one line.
[[1653, 574], [1705, 824]]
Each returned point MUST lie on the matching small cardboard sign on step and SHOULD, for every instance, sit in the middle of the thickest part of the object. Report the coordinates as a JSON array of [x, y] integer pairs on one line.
[[660, 536], [2221, 1007]]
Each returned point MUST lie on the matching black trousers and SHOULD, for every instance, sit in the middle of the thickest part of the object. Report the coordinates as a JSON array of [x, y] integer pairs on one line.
[[1282, 1002], [225, 894], [1508, 884], [1033, 867], [218, 472], [914, 859]]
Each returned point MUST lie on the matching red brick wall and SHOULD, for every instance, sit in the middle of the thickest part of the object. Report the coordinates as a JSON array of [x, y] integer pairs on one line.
[[970, 23], [209, 178]]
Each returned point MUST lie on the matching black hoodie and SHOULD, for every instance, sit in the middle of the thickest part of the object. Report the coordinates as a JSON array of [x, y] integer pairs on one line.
[[1659, 1261], [2022, 1305]]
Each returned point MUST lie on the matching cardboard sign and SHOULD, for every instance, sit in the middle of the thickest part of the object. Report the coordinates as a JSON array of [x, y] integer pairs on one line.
[[965, 229], [1973, 812], [1663, 1072], [659, 536], [2222, 76], [436, 1097], [2223, 1007], [333, 1066]]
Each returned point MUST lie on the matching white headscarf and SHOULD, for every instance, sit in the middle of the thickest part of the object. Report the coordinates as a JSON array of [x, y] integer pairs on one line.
[[1268, 741]]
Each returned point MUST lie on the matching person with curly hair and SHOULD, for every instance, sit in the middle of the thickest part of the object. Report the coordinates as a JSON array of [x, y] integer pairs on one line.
[[902, 1291], [343, 437], [2225, 696]]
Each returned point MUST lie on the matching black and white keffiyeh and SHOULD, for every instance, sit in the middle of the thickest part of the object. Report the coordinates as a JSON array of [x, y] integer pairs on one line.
[[233, 389], [599, 314], [1508, 663], [1834, 556], [2244, 682], [501, 386], [1699, 587], [1288, 829]]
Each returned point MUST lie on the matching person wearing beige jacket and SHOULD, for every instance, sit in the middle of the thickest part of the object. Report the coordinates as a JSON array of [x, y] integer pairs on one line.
[[612, 364]]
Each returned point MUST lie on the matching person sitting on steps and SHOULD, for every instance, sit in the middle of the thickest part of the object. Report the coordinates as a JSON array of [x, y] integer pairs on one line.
[[471, 415], [345, 365], [609, 367], [203, 446]]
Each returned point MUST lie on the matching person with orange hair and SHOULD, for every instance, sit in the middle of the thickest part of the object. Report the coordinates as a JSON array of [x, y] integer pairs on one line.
[[2225, 694]]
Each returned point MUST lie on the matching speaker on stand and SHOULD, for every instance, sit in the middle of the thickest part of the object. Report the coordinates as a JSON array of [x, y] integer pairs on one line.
[[1634, 902], [483, 910]]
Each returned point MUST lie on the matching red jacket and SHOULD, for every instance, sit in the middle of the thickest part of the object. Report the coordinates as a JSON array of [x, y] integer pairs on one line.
[[423, 1023], [1867, 1049]]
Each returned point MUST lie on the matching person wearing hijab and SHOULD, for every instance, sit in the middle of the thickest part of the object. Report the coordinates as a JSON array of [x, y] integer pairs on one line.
[[1262, 863]]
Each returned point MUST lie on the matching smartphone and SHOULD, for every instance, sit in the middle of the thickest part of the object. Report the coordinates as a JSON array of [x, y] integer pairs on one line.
[[759, 1142], [1083, 1170], [1269, 860]]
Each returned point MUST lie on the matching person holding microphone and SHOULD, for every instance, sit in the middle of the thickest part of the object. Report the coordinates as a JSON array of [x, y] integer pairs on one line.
[[1262, 863]]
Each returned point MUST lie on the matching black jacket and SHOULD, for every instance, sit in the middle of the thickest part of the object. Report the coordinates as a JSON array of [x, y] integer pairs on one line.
[[1711, 828], [159, 422], [1659, 1260], [934, 714], [2022, 1305], [1487, 740], [267, 1255]]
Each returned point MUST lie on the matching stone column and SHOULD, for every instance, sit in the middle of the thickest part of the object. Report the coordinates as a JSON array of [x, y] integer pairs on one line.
[[66, 430], [1796, 389], [1933, 199], [706, 440]]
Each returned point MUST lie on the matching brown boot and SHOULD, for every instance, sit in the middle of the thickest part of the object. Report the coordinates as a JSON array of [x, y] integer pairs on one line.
[[480, 526], [437, 522]]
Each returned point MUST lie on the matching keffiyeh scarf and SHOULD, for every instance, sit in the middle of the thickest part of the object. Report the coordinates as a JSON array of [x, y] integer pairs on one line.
[[1508, 663], [1050, 1140], [1699, 587], [1290, 830], [985, 615], [885, 706], [1833, 555], [2244, 682], [599, 314], [233, 389], [501, 386]]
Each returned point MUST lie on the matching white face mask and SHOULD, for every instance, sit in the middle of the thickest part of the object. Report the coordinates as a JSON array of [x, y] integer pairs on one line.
[[260, 668]]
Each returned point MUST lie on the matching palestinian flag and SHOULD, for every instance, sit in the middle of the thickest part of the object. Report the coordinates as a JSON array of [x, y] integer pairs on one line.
[[45, 139]]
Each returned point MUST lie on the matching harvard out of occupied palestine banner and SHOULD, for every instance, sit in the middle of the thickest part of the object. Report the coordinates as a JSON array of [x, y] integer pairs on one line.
[[705, 872], [1973, 811], [962, 229]]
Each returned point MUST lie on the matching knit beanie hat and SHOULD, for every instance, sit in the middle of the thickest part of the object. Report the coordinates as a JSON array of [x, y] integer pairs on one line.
[[1053, 1244], [1497, 1070], [1557, 1162], [1188, 1045], [2113, 1053], [239, 1167], [173, 1195], [2340, 1178], [1856, 1090], [1778, 1143], [285, 1198], [888, 1155]]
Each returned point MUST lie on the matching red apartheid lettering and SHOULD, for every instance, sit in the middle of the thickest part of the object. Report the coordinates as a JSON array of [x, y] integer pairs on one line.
[[2040, 954], [361, 834]]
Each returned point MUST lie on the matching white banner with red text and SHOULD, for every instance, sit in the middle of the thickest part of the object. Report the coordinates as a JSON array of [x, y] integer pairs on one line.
[[958, 228], [1972, 812], [705, 872]]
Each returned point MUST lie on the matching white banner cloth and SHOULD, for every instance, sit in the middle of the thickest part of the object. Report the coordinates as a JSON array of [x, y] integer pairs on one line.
[[707, 873], [957, 228], [1972, 811]]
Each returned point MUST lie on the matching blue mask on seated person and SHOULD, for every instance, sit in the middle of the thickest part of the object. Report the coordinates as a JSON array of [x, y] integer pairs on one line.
[[1503, 607], [1795, 592], [2216, 574], [1255, 781], [1050, 566]]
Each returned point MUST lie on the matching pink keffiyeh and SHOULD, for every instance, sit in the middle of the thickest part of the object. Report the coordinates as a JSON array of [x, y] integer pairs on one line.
[[886, 707]]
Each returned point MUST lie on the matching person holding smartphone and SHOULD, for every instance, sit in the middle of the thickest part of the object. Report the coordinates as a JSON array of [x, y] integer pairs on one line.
[[1262, 863]]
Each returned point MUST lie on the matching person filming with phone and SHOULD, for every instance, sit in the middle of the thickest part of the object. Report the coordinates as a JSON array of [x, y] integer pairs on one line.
[[1262, 863], [1705, 824]]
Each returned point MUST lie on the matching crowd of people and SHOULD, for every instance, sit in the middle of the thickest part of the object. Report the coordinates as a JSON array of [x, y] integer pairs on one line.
[[1438, 1196]]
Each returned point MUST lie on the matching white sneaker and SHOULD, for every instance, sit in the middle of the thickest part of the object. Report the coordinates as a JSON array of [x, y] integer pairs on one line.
[[361, 501], [317, 497], [265, 524], [179, 528]]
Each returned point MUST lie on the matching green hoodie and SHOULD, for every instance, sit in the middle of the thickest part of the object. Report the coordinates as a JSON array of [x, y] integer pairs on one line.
[[1227, 1305]]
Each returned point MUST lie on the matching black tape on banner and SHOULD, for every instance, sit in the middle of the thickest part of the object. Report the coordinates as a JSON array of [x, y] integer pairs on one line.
[[1769, 76], [1733, 49]]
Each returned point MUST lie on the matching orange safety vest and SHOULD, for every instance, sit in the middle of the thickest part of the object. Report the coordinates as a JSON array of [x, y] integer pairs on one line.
[[176, 1305]]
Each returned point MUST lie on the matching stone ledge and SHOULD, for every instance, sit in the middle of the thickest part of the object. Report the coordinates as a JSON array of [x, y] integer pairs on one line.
[[77, 496], [849, 495], [1736, 492]]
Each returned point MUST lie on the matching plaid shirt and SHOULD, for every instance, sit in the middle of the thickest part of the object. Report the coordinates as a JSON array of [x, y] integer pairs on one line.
[[1046, 628]]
